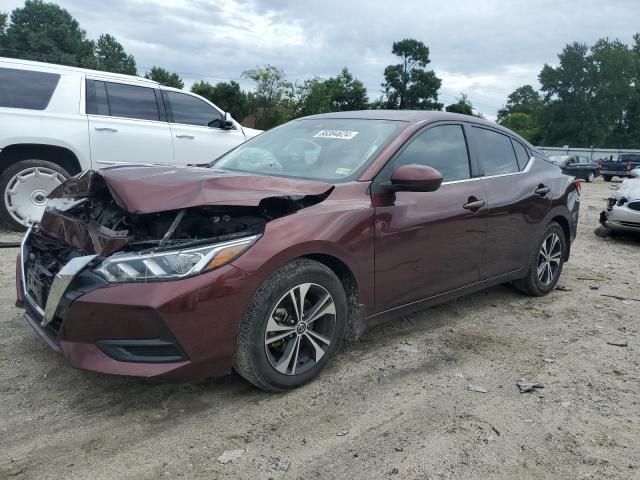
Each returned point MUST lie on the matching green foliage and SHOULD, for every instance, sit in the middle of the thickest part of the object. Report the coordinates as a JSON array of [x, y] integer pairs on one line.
[[164, 77], [463, 105], [273, 100], [408, 84], [3, 23], [524, 124], [335, 94], [111, 57], [227, 96], [45, 32]]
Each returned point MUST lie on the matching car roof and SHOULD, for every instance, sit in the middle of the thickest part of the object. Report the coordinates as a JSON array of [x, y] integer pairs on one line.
[[97, 74], [416, 116]]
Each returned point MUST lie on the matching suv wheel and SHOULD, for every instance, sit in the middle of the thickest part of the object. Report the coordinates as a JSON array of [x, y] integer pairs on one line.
[[546, 265], [590, 177], [292, 327], [25, 186]]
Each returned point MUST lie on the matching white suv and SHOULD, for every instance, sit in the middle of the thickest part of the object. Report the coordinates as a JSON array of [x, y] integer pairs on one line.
[[56, 121]]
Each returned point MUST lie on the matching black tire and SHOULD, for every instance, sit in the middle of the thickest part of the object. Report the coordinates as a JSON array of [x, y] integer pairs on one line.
[[607, 178], [590, 177], [8, 174], [251, 358], [531, 284]]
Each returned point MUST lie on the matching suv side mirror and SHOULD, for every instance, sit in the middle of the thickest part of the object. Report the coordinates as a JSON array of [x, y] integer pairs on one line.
[[416, 178], [227, 121]]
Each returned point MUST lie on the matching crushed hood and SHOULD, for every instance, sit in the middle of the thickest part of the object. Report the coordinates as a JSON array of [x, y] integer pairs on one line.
[[149, 189]]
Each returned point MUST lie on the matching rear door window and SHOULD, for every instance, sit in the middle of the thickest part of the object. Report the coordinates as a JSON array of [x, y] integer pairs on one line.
[[521, 154], [26, 88], [495, 152], [131, 101], [96, 98]]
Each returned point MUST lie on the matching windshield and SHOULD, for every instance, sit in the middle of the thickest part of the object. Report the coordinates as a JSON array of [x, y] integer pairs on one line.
[[327, 149]]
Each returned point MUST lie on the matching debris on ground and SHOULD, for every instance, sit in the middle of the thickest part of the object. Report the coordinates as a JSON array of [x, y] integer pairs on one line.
[[474, 388], [564, 288], [342, 433], [229, 456], [525, 386], [549, 360], [618, 343], [618, 297]]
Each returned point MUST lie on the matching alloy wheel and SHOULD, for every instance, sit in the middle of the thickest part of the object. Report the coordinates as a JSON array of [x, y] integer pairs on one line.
[[300, 329], [25, 195], [549, 259], [591, 177]]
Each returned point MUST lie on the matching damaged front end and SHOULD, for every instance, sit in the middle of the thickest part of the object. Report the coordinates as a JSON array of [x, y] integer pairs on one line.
[[143, 224]]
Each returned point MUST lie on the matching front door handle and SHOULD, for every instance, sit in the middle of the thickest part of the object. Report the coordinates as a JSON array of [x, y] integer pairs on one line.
[[106, 129], [182, 135], [542, 190], [474, 204]]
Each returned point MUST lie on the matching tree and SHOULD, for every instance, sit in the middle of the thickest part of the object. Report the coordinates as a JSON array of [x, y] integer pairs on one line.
[[272, 102], [408, 85], [463, 105], [334, 94], [227, 96], [523, 124], [164, 77], [45, 32], [111, 57], [523, 99], [3, 23]]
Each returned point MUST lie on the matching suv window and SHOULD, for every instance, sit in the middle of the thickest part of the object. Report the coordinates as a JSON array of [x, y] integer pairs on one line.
[[443, 148], [495, 152], [521, 153], [192, 111], [131, 101], [96, 98], [26, 89]]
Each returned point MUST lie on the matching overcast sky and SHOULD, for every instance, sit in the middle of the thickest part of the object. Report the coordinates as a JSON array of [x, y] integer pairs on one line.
[[485, 48]]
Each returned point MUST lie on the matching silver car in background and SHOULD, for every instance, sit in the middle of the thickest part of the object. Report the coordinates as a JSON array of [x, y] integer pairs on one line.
[[623, 209]]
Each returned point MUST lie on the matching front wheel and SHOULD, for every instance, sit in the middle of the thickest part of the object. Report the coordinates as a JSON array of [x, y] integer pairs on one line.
[[292, 327], [546, 265], [590, 178]]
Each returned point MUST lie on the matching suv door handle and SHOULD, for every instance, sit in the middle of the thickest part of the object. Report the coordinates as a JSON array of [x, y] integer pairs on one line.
[[182, 135], [542, 190], [106, 129], [474, 204]]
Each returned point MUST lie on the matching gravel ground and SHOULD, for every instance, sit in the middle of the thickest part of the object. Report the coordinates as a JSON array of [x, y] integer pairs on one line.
[[433, 395]]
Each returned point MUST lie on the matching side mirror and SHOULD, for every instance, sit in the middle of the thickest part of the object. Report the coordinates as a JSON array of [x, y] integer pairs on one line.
[[227, 121], [416, 178]]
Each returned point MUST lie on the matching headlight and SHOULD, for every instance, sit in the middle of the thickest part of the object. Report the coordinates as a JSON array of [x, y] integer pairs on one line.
[[167, 265]]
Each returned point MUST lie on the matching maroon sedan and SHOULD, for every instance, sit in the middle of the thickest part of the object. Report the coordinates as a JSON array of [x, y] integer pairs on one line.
[[307, 234]]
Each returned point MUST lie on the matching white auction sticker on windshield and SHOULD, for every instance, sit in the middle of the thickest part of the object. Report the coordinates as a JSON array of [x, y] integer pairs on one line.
[[340, 134]]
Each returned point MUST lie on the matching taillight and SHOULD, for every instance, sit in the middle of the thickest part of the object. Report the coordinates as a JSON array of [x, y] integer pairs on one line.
[[578, 185]]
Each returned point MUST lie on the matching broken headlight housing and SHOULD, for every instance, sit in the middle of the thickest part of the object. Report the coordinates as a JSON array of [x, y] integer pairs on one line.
[[171, 264]]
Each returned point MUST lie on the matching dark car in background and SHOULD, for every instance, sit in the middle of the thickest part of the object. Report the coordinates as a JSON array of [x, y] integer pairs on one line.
[[309, 233], [620, 167], [577, 166]]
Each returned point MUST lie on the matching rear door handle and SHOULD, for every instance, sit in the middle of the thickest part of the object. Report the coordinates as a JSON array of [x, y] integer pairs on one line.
[[182, 135], [473, 204], [106, 129], [542, 190]]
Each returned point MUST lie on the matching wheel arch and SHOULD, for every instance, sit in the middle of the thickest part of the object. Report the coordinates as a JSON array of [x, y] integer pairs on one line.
[[61, 156], [566, 228]]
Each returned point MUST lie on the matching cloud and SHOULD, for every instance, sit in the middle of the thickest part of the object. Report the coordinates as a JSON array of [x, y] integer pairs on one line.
[[485, 49]]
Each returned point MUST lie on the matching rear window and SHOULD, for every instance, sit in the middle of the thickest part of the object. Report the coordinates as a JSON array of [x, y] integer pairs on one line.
[[130, 101], [495, 151], [521, 153], [26, 89]]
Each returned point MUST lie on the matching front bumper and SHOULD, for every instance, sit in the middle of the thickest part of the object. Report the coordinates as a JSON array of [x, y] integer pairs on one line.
[[621, 217], [122, 328]]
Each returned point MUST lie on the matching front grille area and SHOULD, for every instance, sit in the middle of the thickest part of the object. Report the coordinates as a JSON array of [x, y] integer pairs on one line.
[[634, 205], [630, 224], [43, 257]]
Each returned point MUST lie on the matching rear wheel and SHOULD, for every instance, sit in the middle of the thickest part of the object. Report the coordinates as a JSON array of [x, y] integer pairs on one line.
[[589, 178], [25, 186], [292, 327], [546, 265], [607, 178]]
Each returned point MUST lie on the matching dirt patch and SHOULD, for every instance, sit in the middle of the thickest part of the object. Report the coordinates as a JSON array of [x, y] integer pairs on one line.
[[395, 405]]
